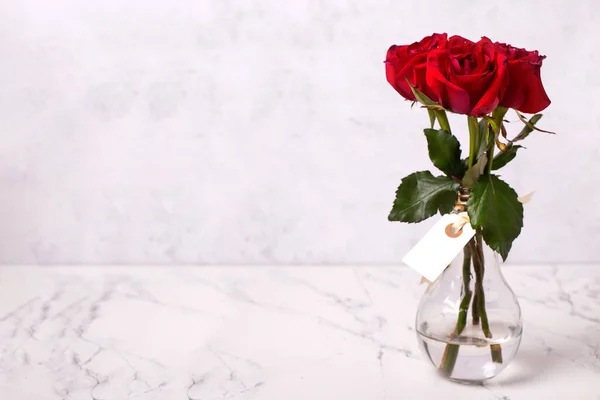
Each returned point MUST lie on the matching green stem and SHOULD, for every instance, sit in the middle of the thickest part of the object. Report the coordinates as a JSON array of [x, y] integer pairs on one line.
[[490, 157], [473, 139], [479, 268], [475, 307], [496, 350], [451, 351], [498, 117], [466, 268], [462, 313], [443, 120], [449, 359]]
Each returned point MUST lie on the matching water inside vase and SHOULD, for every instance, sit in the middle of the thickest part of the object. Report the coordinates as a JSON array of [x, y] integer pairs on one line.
[[474, 361]]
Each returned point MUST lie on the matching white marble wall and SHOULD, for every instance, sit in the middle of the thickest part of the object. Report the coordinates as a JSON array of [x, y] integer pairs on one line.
[[262, 131]]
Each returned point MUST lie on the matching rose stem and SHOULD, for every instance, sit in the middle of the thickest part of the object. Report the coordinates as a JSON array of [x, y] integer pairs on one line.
[[478, 267], [451, 351], [475, 307], [443, 120], [490, 155], [479, 298], [473, 139], [464, 304]]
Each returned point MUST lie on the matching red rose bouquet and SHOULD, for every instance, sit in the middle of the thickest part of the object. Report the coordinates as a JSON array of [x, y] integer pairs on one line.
[[481, 80]]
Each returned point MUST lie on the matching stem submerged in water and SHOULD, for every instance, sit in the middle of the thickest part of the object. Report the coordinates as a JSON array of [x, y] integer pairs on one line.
[[475, 307], [473, 251], [479, 266], [451, 351]]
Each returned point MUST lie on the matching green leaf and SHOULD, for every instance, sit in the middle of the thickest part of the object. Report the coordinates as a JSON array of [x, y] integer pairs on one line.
[[531, 123], [494, 208], [420, 96], [473, 173], [528, 128], [465, 163], [483, 137], [498, 115], [421, 195], [493, 124], [503, 147], [439, 112], [505, 157], [444, 152]]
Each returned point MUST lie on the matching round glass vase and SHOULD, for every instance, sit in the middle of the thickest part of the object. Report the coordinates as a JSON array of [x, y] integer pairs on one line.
[[469, 320]]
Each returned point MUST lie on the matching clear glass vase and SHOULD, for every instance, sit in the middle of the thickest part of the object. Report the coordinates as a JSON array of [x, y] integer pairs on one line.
[[469, 320]]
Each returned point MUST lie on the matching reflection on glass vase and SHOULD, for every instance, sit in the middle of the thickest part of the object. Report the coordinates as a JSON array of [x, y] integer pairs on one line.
[[469, 321]]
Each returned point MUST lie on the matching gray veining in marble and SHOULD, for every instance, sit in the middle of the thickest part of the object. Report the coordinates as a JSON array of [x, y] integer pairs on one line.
[[258, 333]]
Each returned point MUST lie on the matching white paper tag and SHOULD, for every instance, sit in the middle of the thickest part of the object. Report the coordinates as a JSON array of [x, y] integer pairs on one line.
[[438, 247]]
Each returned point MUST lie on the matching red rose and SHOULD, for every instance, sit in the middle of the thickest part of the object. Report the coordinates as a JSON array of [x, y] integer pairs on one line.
[[525, 91], [466, 77], [410, 62]]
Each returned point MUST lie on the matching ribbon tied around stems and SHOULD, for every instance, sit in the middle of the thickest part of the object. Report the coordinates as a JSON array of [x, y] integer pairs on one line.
[[463, 219], [455, 229]]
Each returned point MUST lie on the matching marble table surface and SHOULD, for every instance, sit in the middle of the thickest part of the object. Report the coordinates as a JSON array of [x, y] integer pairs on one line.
[[276, 333]]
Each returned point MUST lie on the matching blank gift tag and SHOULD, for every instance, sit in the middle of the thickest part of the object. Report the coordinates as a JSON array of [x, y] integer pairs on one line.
[[439, 246]]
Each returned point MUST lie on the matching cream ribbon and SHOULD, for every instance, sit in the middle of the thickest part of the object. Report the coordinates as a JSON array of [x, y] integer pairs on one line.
[[462, 220], [463, 217]]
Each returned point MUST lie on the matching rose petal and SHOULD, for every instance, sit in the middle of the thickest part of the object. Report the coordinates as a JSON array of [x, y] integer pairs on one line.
[[525, 91], [447, 93]]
